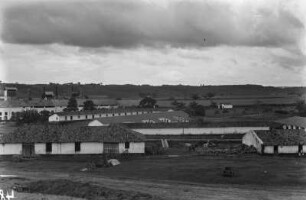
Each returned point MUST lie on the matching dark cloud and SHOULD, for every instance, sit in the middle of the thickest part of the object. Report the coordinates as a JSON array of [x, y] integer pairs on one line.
[[135, 23]]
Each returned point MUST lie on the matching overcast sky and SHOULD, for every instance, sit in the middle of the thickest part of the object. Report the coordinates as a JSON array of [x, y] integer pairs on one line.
[[155, 42]]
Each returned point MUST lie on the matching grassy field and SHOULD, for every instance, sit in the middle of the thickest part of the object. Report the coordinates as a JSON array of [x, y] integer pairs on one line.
[[186, 177], [250, 169]]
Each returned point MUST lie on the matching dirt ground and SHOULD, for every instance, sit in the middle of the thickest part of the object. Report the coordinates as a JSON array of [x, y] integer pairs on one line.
[[184, 177]]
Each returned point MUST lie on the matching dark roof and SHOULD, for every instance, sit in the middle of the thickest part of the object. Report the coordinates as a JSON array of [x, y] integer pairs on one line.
[[117, 110], [282, 137], [61, 133], [10, 88], [22, 103], [293, 121], [13, 104], [173, 116]]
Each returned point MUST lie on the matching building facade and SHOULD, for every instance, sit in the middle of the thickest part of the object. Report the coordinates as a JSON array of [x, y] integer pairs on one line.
[[59, 140], [277, 141]]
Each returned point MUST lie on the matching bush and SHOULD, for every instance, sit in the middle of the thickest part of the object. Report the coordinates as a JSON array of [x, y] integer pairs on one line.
[[225, 111], [155, 149], [281, 112]]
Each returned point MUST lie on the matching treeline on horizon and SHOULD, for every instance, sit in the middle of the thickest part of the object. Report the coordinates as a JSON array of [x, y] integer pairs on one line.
[[129, 91]]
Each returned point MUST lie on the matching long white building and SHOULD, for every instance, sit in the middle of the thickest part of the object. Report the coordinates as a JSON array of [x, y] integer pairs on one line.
[[70, 140]]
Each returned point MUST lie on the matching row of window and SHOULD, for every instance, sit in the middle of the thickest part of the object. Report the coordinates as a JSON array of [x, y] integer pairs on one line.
[[107, 115], [5, 113], [77, 146]]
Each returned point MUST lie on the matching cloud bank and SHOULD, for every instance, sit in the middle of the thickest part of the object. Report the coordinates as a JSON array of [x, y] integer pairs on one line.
[[135, 23]]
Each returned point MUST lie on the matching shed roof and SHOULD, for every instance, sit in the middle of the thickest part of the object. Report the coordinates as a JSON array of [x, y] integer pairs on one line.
[[61, 133], [294, 121], [282, 137]]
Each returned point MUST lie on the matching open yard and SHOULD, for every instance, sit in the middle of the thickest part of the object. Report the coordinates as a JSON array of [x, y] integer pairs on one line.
[[184, 177]]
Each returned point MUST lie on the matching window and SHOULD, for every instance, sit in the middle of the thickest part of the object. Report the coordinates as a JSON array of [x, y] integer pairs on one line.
[[5, 113], [127, 145], [86, 117], [93, 116], [65, 117], [0, 113], [48, 147], [71, 117], [79, 116], [77, 146]]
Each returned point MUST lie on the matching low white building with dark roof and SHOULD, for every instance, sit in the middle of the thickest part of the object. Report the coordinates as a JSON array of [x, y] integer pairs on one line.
[[157, 117], [103, 113], [10, 107], [66, 140], [277, 141]]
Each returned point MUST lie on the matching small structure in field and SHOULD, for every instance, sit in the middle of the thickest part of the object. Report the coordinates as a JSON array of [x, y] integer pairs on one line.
[[277, 141], [33, 140], [295, 122], [224, 106]]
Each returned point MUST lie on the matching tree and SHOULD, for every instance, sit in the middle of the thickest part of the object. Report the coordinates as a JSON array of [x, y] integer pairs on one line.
[[301, 108], [195, 109], [89, 105], [28, 116], [72, 105], [209, 95], [178, 105], [195, 96], [147, 102], [44, 115]]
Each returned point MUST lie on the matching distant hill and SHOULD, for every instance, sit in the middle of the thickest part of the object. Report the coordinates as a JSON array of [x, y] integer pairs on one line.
[[162, 92]]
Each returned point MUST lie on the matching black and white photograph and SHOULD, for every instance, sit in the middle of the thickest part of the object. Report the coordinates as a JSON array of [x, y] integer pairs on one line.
[[153, 99]]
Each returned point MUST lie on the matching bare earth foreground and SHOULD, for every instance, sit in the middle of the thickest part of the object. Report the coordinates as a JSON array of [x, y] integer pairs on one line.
[[192, 177]]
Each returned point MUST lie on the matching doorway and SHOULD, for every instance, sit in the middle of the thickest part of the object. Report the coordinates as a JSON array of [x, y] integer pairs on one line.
[[275, 149], [28, 150]]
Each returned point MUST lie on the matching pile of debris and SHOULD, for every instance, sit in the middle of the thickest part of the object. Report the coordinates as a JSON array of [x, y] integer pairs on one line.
[[103, 163], [238, 149]]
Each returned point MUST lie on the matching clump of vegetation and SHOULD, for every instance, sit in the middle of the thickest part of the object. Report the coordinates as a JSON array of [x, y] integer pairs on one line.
[[89, 105], [147, 102], [84, 190], [72, 105], [31, 116], [154, 149], [301, 108]]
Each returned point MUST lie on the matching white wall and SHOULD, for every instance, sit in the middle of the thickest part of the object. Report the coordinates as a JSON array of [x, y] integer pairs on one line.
[[10, 149], [135, 147], [288, 149], [54, 118], [269, 150], [40, 148], [63, 148], [69, 148], [304, 148], [91, 148], [251, 139], [195, 131], [9, 112]]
